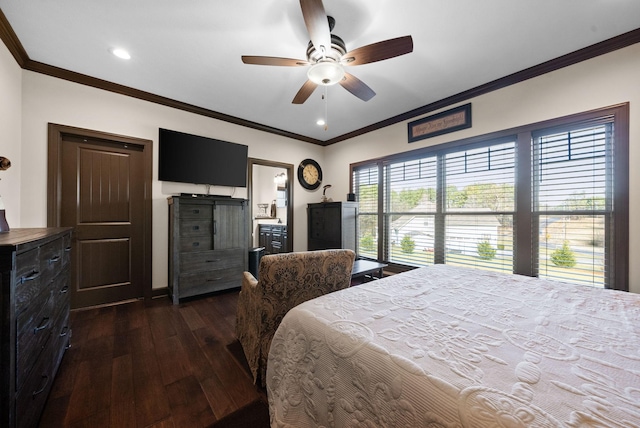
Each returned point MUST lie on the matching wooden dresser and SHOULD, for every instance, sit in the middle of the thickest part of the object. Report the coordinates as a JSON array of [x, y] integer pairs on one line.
[[208, 244], [332, 225], [35, 280], [273, 237]]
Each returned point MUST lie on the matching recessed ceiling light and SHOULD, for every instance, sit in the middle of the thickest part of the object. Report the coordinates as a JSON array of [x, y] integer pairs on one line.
[[121, 53], [320, 122]]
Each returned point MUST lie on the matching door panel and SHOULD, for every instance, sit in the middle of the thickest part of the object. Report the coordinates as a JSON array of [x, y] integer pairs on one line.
[[234, 234], [103, 199], [109, 260]]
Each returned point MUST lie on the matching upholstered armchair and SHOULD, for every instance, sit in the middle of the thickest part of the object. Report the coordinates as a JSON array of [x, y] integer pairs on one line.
[[285, 281]]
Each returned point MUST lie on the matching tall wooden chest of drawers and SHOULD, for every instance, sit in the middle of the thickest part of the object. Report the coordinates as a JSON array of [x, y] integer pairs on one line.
[[332, 225], [208, 244], [34, 303]]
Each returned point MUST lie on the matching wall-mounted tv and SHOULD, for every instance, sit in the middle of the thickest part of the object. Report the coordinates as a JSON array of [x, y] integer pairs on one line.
[[187, 158]]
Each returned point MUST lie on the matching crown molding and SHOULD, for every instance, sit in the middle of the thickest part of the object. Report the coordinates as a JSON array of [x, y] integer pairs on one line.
[[8, 36], [604, 47], [83, 79], [11, 41]]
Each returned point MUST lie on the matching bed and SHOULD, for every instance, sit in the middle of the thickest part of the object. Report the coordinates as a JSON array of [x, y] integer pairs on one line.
[[445, 346]]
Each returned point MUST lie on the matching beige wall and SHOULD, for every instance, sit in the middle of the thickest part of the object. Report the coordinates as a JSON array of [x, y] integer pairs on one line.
[[10, 137], [46, 99], [607, 80], [600, 82]]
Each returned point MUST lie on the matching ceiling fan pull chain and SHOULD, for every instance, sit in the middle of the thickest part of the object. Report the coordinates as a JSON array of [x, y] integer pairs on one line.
[[326, 109]]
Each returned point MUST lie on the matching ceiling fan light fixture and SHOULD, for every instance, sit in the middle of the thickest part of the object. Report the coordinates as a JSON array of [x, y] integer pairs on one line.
[[326, 73], [121, 53]]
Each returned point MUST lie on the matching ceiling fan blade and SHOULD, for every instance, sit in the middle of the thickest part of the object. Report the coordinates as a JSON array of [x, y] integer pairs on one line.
[[315, 18], [378, 51], [304, 92], [357, 87], [272, 60]]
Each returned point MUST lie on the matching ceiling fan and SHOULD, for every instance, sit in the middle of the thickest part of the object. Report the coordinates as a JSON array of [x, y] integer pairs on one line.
[[327, 55]]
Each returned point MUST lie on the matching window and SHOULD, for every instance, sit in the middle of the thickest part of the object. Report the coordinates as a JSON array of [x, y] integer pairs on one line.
[[365, 185], [548, 200], [573, 202], [479, 189]]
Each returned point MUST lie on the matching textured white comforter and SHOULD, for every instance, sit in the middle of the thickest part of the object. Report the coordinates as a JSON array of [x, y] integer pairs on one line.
[[443, 346]]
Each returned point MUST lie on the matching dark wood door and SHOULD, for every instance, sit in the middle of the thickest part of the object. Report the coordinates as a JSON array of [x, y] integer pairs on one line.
[[102, 197]]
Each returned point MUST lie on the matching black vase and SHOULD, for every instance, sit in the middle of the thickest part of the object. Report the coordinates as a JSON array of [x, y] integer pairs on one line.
[[4, 226]]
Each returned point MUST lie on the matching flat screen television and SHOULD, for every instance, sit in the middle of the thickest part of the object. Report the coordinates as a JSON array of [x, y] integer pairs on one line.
[[187, 158]]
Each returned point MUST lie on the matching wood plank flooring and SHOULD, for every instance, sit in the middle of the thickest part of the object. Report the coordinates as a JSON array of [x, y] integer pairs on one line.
[[151, 365]]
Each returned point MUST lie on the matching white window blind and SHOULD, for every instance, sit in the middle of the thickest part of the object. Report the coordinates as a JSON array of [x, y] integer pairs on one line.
[[410, 207], [479, 207], [365, 185], [573, 203]]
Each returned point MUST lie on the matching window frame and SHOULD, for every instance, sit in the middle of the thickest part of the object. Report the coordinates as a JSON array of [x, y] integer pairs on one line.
[[524, 240]]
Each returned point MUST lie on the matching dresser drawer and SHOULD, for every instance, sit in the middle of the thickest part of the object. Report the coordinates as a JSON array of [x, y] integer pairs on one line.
[[60, 336], [196, 243], [32, 396], [33, 328], [192, 284], [211, 260], [66, 249], [196, 227], [28, 275], [196, 211], [51, 260], [60, 292]]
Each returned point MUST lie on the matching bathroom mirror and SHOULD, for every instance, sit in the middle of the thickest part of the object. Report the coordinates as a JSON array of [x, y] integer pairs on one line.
[[270, 195]]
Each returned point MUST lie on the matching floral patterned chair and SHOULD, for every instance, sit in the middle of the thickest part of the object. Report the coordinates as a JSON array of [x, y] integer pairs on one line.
[[285, 281]]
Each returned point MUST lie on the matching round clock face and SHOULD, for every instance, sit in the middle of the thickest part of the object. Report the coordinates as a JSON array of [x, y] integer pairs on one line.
[[309, 174]]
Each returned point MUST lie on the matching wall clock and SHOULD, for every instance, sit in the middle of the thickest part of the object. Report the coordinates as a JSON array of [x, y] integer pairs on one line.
[[309, 174]]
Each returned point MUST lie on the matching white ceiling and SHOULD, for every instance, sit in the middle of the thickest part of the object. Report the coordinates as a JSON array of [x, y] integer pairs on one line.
[[190, 51]]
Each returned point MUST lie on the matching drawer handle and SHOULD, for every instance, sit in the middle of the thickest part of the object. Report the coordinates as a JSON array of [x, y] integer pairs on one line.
[[45, 382], [68, 249], [64, 290], [196, 211], [215, 227], [213, 261], [65, 331], [214, 279], [54, 259], [32, 275], [196, 244], [196, 227], [43, 324]]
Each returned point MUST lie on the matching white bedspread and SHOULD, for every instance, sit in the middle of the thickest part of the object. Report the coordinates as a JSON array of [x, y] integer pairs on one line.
[[442, 346]]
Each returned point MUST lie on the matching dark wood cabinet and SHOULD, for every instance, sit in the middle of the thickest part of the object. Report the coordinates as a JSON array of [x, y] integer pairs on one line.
[[273, 238], [208, 244], [35, 280], [332, 225]]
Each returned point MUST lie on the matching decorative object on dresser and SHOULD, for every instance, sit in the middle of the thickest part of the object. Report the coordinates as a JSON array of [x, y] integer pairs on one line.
[[332, 225], [35, 279], [5, 164], [273, 238], [208, 244], [324, 193]]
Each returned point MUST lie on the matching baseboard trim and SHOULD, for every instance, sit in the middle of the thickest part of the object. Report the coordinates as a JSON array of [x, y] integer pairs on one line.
[[159, 292]]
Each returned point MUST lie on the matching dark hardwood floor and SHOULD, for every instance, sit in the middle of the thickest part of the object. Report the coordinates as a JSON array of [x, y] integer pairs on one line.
[[152, 365]]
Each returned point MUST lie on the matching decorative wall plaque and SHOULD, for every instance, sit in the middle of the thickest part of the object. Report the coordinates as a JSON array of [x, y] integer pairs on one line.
[[442, 123]]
